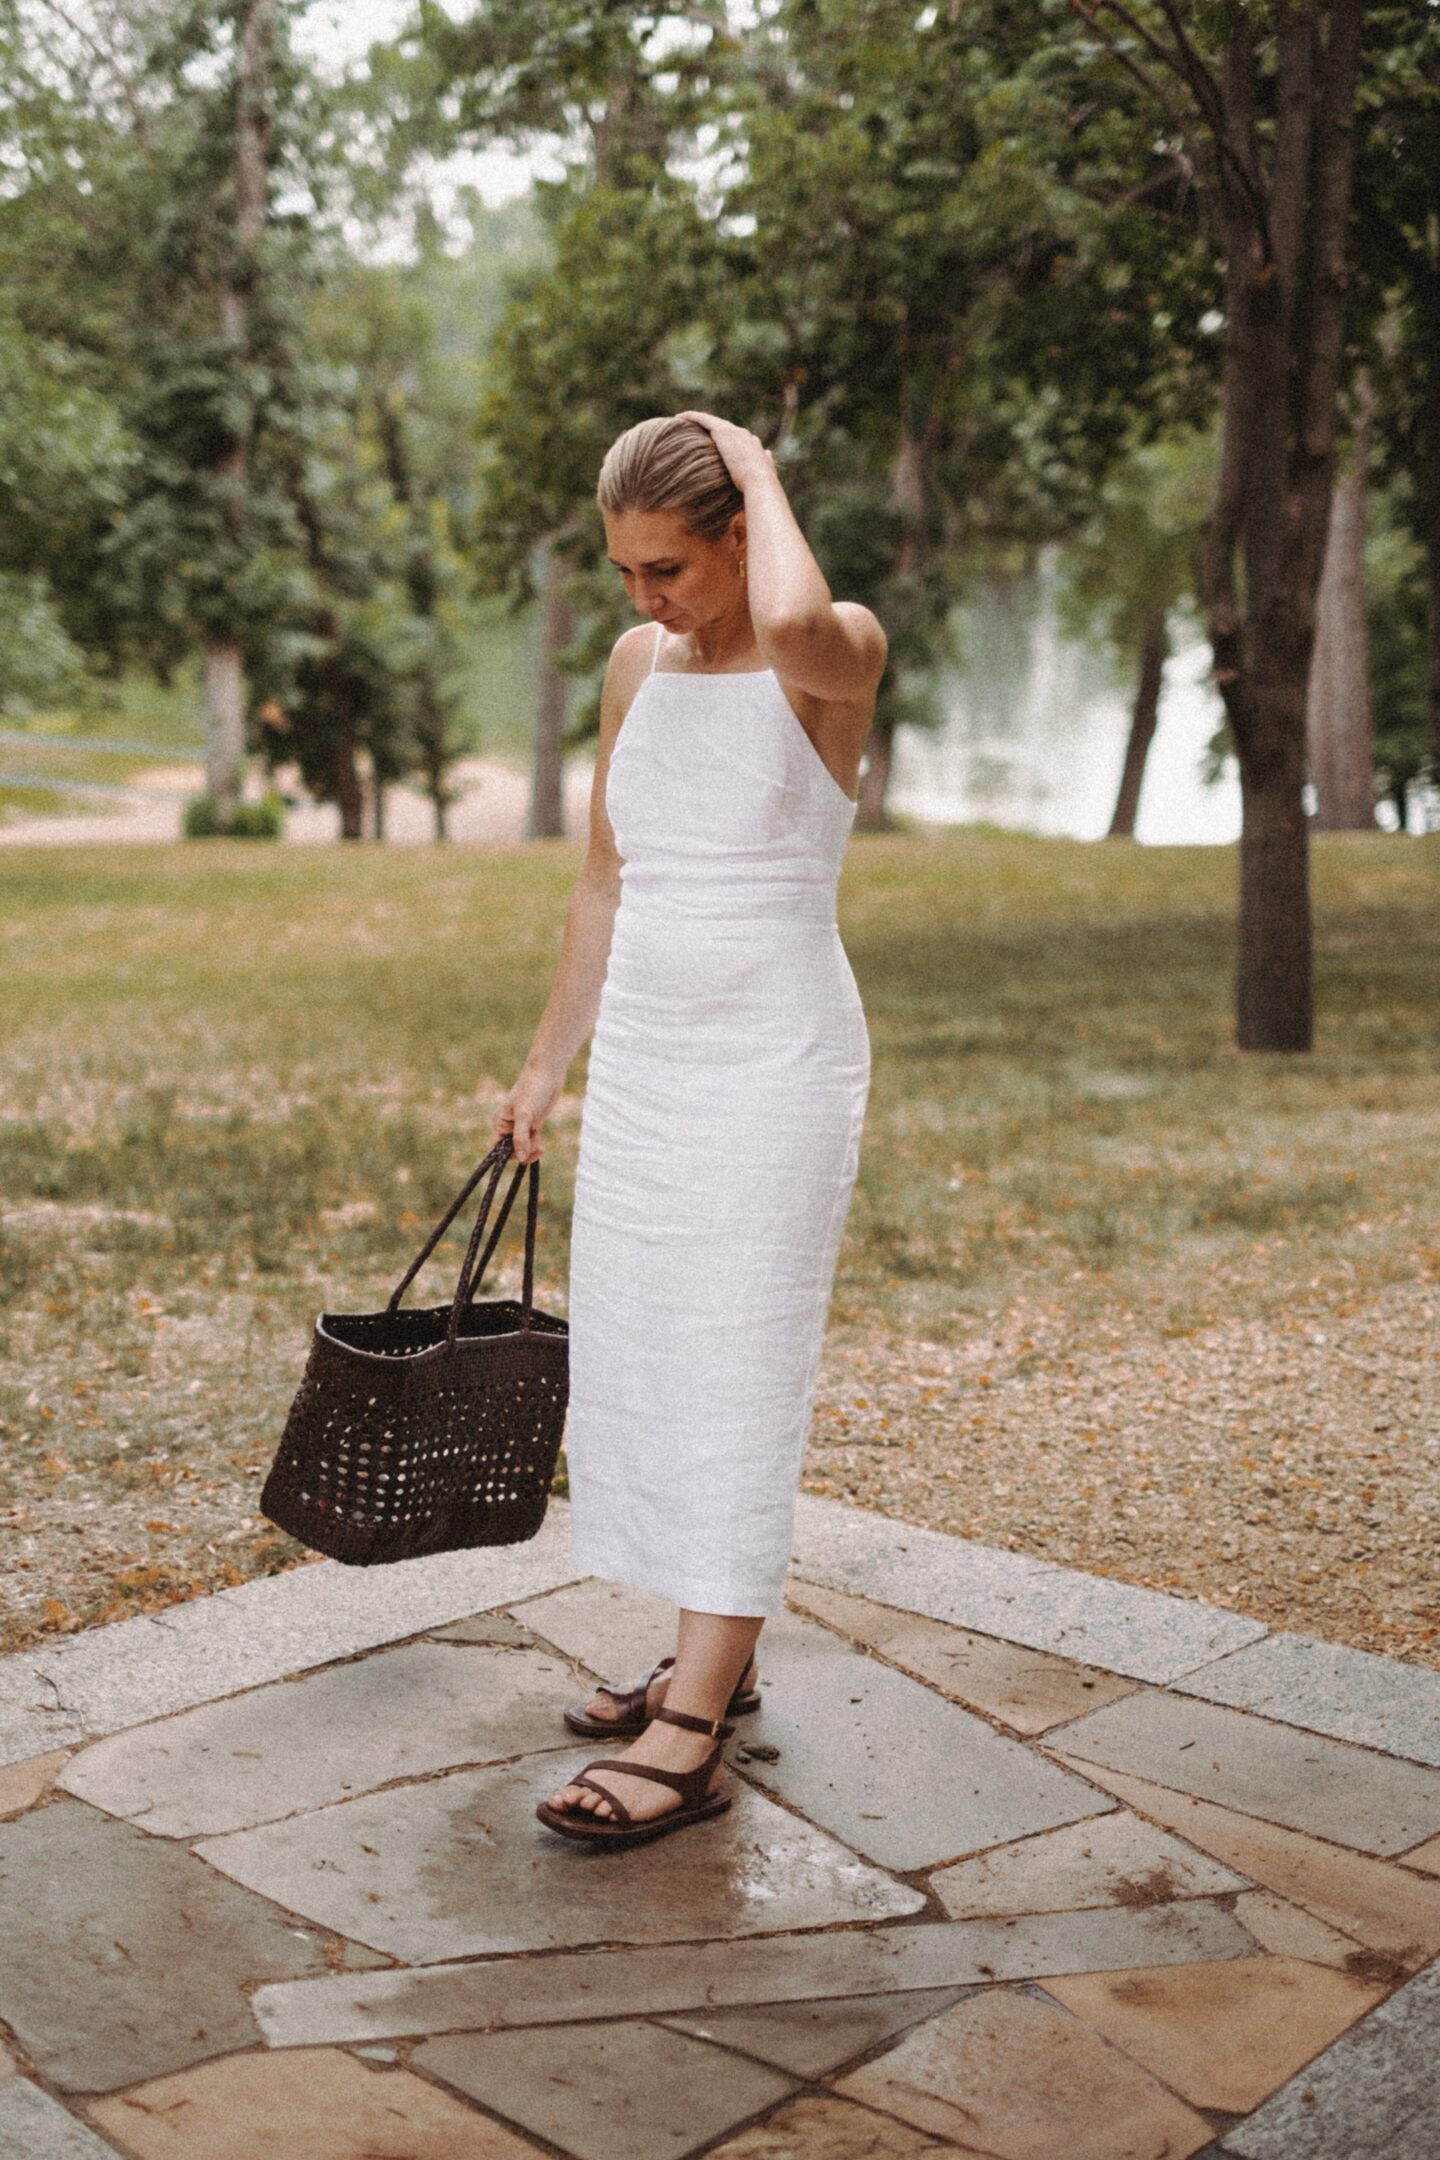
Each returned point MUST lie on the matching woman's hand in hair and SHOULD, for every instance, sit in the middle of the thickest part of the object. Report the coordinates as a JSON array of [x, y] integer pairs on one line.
[[744, 454]]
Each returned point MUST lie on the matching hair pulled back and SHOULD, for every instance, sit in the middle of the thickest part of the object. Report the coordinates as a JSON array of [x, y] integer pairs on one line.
[[670, 464]]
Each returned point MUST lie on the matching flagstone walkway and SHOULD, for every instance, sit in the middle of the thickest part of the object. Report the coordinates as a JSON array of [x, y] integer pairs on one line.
[[1023, 1863]]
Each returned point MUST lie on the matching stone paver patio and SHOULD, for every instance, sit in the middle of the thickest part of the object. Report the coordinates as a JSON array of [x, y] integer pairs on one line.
[[1025, 1864]]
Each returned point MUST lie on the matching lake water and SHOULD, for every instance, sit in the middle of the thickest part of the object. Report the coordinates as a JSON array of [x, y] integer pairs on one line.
[[1036, 727]]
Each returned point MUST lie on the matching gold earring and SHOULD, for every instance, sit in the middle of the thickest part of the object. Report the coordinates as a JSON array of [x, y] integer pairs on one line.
[[741, 566]]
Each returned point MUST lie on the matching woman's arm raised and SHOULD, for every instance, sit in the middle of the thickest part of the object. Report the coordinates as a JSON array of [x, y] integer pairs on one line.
[[832, 648]]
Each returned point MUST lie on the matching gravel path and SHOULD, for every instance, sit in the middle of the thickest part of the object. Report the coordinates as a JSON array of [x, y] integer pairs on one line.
[[1288, 1468], [492, 810]]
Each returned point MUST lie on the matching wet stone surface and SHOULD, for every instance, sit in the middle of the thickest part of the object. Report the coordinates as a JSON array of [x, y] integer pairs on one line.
[[1225, 2035], [1380, 1905], [316, 2104], [813, 2038], [1148, 1909], [1027, 1690], [1116, 1859], [1299, 1779], [901, 1958], [608, 2091], [1013, 2075], [460, 1867], [904, 1776], [301, 1744], [126, 1956]]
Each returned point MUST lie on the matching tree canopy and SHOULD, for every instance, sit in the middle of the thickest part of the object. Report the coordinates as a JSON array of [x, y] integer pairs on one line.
[[985, 278]]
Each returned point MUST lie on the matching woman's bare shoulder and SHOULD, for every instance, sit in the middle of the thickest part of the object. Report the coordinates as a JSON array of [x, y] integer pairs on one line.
[[635, 645], [629, 662], [626, 669]]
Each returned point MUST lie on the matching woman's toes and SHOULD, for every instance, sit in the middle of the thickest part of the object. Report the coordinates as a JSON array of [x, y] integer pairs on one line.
[[580, 1797]]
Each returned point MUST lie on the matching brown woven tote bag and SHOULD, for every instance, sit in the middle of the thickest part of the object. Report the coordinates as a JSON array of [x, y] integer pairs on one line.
[[431, 1428]]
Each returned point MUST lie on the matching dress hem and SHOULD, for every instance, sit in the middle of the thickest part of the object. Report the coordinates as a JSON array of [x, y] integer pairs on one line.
[[724, 1600]]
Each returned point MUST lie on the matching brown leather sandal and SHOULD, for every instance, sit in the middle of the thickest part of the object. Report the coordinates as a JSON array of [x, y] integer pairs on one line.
[[631, 1716], [696, 1805]]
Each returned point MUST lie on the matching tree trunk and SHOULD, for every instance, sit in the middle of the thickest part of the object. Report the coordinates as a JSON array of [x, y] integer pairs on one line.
[[1282, 208], [432, 733], [349, 793], [1273, 995], [224, 698], [872, 815], [908, 494], [1434, 569], [225, 689], [435, 764], [557, 627], [437, 787], [1431, 483], [1144, 718], [1339, 732]]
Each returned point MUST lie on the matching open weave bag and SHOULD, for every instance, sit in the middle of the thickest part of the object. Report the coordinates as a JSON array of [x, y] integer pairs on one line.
[[431, 1428]]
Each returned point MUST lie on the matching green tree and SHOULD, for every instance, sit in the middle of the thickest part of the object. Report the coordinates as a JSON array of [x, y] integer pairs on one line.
[[273, 456], [406, 408], [63, 462], [1399, 633], [66, 456], [1262, 98], [946, 279], [1397, 262], [585, 345], [210, 343], [908, 287], [144, 238]]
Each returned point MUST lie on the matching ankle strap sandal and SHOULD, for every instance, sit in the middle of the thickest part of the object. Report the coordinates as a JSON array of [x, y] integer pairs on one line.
[[696, 1804], [631, 1716]]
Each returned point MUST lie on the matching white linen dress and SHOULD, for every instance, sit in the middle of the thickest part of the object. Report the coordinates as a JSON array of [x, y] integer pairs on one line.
[[719, 1143]]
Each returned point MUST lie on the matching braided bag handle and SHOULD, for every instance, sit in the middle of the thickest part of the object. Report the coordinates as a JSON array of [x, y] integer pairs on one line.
[[469, 1282]]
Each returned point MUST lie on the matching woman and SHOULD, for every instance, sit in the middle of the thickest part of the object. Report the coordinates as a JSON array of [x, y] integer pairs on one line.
[[728, 1077]]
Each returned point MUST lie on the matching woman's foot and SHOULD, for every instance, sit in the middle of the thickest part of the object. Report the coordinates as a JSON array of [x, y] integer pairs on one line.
[[602, 1707], [664, 1747]]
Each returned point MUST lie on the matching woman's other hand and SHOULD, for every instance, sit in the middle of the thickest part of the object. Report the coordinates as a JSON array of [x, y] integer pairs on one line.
[[525, 1108]]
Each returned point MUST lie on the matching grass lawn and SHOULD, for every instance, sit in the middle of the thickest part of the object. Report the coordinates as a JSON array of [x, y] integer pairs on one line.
[[1111, 1292]]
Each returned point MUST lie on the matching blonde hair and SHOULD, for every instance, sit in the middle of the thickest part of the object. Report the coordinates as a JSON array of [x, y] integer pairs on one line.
[[669, 464]]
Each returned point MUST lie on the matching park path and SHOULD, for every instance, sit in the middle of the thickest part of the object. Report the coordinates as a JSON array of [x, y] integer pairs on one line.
[[1022, 1862], [491, 812]]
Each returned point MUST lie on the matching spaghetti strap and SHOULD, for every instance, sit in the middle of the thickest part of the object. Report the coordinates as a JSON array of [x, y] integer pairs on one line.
[[659, 641]]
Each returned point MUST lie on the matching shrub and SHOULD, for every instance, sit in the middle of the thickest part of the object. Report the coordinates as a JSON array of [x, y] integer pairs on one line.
[[263, 820]]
